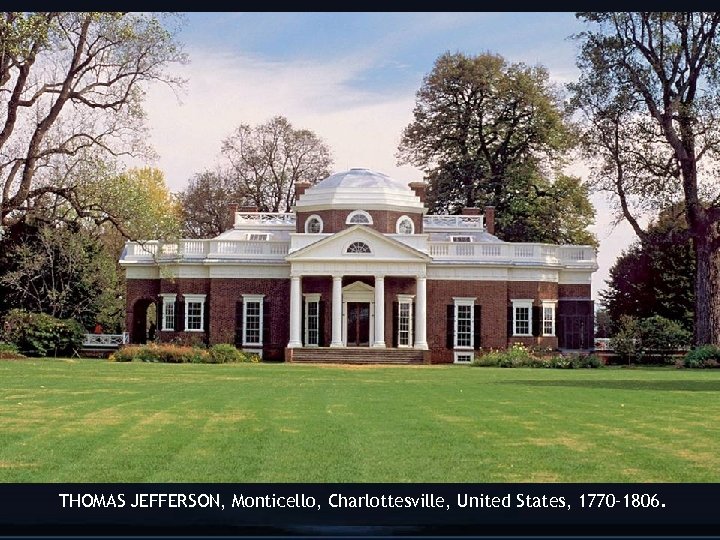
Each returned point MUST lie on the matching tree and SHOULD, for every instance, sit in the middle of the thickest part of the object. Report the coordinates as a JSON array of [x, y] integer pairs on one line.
[[205, 200], [655, 276], [650, 94], [268, 159], [71, 88], [63, 272], [491, 133]]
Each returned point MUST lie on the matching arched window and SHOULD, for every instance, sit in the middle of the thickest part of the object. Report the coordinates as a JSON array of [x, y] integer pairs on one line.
[[314, 224], [359, 217], [405, 225], [358, 247]]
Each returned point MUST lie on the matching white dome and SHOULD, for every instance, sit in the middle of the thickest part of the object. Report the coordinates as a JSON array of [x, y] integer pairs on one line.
[[359, 188]]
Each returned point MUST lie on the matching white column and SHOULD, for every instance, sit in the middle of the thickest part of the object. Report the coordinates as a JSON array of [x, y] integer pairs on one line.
[[379, 312], [420, 314], [295, 312], [337, 312]]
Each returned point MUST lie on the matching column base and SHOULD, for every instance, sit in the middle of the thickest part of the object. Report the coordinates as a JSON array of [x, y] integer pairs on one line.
[[337, 344], [379, 345], [422, 345], [294, 345]]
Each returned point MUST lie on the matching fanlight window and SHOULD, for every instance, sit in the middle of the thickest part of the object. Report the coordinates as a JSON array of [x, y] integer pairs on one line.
[[314, 225], [359, 217], [358, 247]]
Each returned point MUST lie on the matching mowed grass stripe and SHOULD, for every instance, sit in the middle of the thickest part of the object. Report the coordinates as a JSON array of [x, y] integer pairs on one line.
[[94, 421]]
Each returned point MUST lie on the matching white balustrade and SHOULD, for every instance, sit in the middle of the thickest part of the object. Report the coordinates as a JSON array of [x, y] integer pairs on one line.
[[445, 222]]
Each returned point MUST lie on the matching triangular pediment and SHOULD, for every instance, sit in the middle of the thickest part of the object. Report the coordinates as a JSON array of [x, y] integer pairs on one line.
[[348, 245]]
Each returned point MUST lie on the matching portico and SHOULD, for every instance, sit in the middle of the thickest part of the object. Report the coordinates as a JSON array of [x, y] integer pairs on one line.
[[358, 297]]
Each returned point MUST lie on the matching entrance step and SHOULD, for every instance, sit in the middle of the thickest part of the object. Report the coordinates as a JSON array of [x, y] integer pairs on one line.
[[357, 355]]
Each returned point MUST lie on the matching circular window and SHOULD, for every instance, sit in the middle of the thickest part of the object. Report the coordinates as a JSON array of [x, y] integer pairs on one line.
[[405, 225], [313, 224], [359, 217]]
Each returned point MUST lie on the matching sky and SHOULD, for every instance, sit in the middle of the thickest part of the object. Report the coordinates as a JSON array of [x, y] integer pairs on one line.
[[349, 77]]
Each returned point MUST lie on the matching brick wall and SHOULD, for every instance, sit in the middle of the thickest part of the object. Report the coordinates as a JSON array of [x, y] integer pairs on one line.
[[334, 220]]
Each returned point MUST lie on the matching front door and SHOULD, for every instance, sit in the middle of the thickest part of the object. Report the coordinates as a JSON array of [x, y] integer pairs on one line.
[[358, 324]]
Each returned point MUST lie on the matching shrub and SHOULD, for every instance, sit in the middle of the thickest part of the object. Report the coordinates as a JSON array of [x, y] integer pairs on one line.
[[253, 358], [9, 351], [224, 353], [518, 355], [650, 340], [704, 356], [39, 334]]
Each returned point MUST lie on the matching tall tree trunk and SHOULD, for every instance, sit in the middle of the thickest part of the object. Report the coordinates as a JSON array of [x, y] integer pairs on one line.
[[707, 291]]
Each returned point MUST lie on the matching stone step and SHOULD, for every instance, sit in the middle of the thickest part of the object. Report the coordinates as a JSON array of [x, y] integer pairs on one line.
[[358, 355]]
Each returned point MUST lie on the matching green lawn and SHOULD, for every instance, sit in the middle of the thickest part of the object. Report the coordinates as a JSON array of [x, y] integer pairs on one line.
[[96, 421]]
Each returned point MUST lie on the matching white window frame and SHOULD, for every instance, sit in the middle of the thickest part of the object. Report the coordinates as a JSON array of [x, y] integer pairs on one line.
[[311, 298], [354, 213], [400, 220], [461, 238], [194, 299], [260, 237], [356, 253], [519, 304], [464, 301], [463, 357], [407, 299], [548, 304], [248, 299], [168, 300], [309, 219]]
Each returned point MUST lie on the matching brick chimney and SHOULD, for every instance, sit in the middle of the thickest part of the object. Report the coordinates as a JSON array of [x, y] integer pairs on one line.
[[233, 207], [490, 219], [419, 189], [300, 188], [471, 211]]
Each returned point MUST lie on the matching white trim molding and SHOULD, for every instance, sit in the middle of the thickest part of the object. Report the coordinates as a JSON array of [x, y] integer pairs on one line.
[[194, 299], [168, 301], [309, 220], [521, 303], [368, 218], [247, 300], [550, 305]]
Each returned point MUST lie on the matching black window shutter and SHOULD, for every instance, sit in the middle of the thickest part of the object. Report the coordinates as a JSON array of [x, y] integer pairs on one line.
[[536, 314], [321, 324], [238, 323], [180, 316], [302, 323], [450, 330], [206, 320], [510, 329], [477, 326], [266, 323], [395, 323]]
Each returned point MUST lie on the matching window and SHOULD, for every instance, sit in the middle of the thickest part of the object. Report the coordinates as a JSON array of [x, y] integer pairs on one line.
[[314, 224], [256, 237], [252, 319], [168, 312], [312, 320], [194, 312], [463, 358], [522, 317], [461, 239], [405, 225], [405, 318], [548, 318], [358, 247], [359, 217], [464, 320]]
